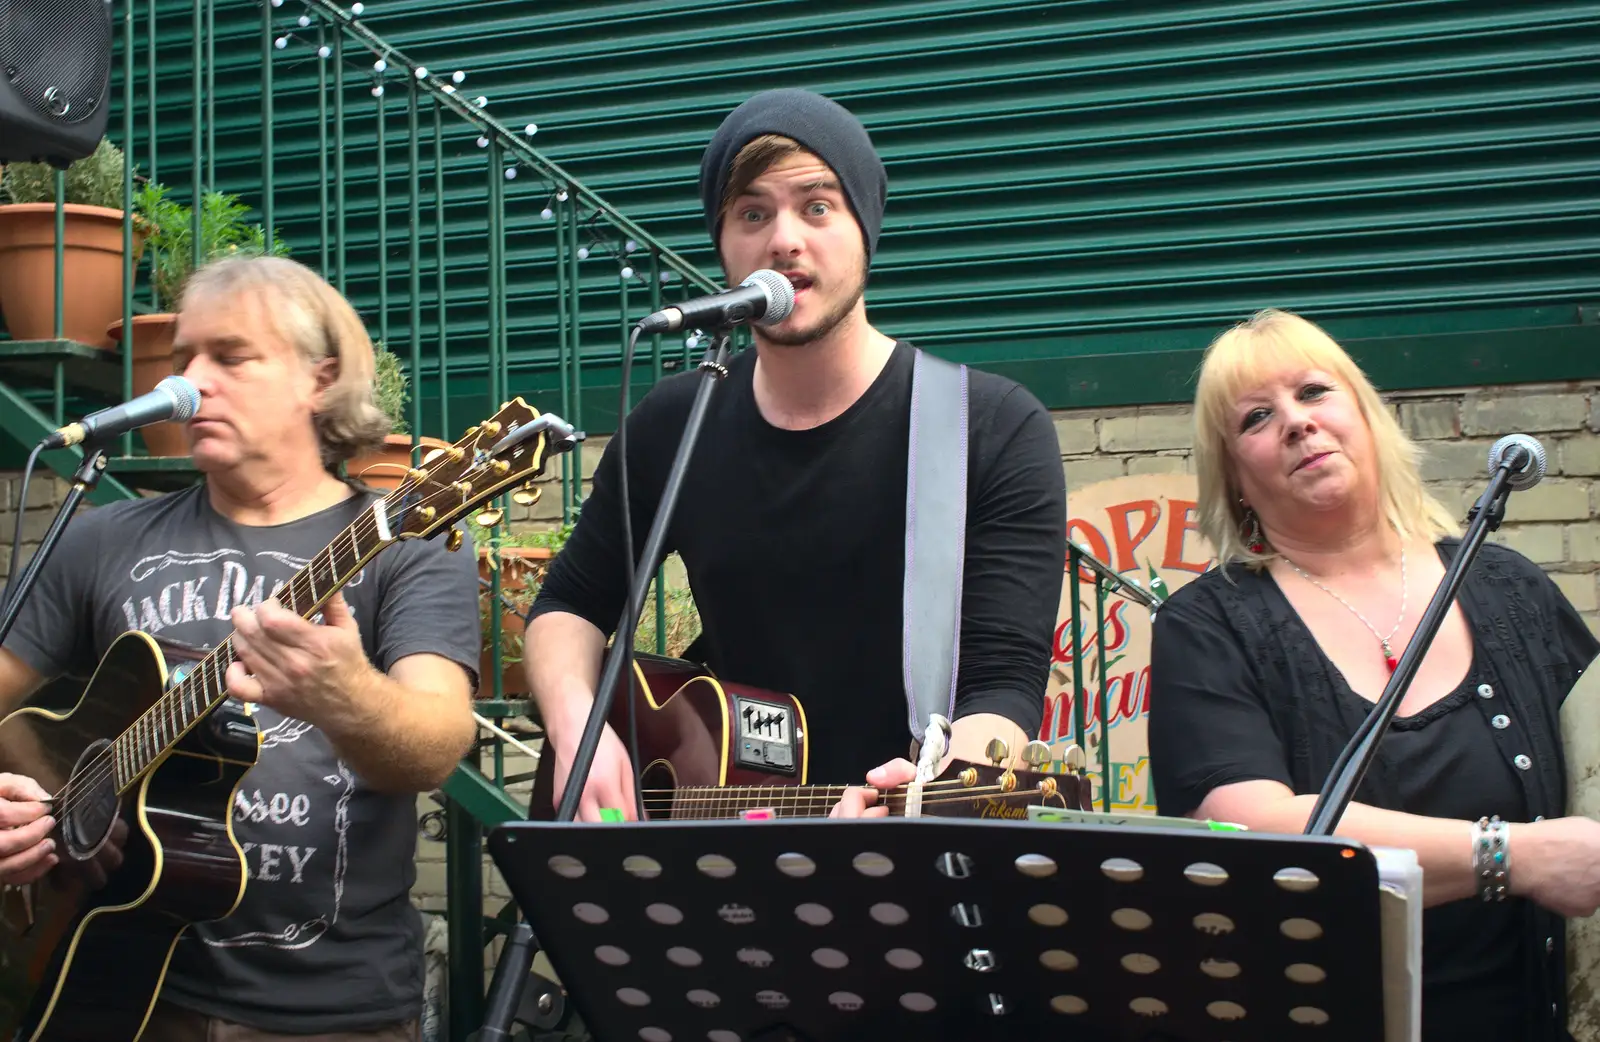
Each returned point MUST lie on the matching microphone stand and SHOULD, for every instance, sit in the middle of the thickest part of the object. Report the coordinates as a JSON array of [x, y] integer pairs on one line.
[[516, 958], [1351, 767], [86, 478]]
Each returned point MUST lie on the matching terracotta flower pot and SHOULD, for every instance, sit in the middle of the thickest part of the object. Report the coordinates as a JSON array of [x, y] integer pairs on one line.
[[385, 467], [152, 363], [91, 272], [520, 567]]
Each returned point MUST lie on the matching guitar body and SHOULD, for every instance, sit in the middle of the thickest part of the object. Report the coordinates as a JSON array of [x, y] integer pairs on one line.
[[95, 920], [697, 731], [713, 750]]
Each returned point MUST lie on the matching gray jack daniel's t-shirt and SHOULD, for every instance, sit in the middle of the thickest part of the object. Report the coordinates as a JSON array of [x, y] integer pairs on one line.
[[326, 938]]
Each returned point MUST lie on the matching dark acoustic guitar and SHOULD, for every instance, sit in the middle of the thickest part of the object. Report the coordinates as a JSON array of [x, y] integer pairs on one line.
[[713, 749], [143, 776]]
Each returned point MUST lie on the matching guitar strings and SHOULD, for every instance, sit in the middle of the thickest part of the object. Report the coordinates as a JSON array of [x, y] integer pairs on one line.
[[711, 791], [899, 803], [824, 797], [79, 791]]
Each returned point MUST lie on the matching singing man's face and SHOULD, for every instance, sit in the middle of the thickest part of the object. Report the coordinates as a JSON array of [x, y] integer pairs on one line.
[[794, 219]]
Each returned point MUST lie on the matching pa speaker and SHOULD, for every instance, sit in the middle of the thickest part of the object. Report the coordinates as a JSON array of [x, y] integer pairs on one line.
[[55, 79]]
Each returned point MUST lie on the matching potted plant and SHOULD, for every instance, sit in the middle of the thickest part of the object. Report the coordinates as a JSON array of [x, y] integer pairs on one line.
[[521, 558], [385, 467], [682, 618], [224, 229], [92, 255]]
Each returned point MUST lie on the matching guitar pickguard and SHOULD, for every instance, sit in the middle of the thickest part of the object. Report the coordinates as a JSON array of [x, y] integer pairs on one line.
[[767, 737]]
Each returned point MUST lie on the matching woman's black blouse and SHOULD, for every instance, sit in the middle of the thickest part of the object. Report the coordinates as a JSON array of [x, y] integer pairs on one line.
[[1240, 690]]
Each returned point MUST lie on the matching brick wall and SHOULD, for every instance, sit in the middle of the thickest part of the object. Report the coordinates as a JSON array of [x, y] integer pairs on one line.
[[45, 493]]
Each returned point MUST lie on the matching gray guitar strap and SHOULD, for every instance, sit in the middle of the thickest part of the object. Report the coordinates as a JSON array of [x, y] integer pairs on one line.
[[936, 538]]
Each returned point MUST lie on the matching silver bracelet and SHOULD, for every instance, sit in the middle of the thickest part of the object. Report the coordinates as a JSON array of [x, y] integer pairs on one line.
[[1491, 857]]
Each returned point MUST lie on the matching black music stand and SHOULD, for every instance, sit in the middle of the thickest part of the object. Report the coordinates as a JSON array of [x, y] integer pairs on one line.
[[978, 931]]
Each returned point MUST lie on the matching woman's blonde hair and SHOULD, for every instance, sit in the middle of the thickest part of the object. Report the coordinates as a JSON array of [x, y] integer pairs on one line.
[[311, 315], [1236, 362]]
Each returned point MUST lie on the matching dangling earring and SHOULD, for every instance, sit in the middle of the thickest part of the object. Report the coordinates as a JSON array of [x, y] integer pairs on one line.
[[1252, 532]]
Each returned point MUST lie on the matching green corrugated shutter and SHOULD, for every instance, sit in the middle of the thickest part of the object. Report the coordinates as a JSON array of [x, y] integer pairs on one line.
[[1076, 179]]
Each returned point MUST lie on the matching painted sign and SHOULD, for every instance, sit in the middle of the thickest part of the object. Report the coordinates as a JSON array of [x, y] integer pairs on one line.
[[1140, 526]]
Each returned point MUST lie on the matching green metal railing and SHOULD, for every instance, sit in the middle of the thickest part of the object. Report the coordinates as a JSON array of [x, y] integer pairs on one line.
[[1095, 736], [499, 244]]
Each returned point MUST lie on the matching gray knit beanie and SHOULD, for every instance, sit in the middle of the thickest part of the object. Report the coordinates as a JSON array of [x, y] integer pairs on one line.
[[825, 128]]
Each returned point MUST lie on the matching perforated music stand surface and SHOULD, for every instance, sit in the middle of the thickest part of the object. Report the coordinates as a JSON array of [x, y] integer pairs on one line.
[[654, 939]]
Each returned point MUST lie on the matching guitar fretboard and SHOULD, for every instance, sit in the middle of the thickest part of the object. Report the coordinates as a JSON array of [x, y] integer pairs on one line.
[[205, 687], [710, 802]]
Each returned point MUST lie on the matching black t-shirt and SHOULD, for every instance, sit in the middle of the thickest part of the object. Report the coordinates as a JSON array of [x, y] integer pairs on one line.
[[794, 545], [1472, 951], [325, 938], [1240, 690]]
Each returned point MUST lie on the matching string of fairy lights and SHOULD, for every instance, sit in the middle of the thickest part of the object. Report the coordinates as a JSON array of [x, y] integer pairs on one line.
[[385, 65]]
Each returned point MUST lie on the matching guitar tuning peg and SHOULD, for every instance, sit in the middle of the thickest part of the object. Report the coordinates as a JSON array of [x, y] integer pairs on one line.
[[526, 495], [452, 542], [1036, 754], [488, 518], [996, 750], [1071, 756]]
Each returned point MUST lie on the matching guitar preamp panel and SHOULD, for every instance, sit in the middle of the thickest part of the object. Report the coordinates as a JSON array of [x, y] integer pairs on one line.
[[768, 736]]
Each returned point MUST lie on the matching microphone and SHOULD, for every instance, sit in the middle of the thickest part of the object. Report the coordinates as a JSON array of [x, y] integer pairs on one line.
[[764, 297], [1522, 457], [172, 399]]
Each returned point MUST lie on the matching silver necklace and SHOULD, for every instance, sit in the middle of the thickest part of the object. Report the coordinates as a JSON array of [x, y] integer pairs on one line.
[[1389, 658]]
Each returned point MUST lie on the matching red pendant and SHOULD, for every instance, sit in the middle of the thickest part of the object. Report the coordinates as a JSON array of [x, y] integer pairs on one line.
[[1391, 662]]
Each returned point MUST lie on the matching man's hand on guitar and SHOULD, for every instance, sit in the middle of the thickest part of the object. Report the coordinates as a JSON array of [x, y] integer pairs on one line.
[[26, 849], [610, 783], [858, 802], [302, 670]]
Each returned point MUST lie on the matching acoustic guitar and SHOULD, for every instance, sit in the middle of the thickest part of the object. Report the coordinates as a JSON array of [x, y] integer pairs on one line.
[[150, 772], [714, 750]]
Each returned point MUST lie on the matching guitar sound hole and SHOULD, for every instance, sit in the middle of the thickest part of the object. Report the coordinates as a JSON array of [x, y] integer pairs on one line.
[[659, 786], [89, 806]]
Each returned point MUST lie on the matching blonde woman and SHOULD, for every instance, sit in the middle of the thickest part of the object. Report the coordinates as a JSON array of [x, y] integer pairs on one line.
[[1329, 549]]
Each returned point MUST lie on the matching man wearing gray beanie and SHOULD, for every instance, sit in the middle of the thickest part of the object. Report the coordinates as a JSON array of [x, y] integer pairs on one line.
[[793, 517]]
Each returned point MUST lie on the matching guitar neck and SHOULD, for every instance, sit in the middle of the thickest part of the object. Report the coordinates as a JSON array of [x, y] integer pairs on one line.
[[709, 802], [176, 712]]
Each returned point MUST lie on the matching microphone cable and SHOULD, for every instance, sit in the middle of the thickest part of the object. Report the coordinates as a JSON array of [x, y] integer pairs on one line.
[[629, 622], [12, 574]]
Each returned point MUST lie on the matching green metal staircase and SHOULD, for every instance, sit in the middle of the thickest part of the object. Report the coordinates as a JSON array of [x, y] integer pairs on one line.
[[436, 219]]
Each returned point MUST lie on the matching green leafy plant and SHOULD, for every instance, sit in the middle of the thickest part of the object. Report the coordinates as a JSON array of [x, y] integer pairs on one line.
[[224, 230], [682, 616], [390, 387], [682, 622], [95, 180]]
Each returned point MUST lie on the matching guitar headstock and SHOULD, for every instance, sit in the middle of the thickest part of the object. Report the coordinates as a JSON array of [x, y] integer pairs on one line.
[[999, 790], [509, 449]]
